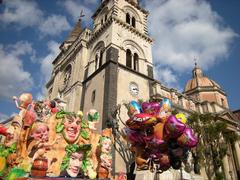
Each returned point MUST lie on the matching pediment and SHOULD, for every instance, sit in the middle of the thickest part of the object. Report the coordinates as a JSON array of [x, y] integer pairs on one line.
[[228, 115]]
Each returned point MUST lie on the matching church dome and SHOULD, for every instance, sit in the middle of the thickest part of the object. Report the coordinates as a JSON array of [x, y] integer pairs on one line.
[[199, 80]]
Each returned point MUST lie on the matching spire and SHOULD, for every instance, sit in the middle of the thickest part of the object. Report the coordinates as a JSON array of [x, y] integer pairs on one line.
[[197, 71], [76, 30], [195, 62]]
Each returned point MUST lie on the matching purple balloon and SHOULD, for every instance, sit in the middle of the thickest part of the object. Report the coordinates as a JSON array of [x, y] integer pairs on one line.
[[187, 138], [152, 108], [173, 127], [134, 137]]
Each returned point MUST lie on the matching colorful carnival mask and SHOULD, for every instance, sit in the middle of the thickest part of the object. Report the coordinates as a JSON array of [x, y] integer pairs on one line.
[[70, 126]]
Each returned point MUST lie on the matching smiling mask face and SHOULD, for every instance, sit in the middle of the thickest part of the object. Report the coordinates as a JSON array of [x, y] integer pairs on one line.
[[72, 126]]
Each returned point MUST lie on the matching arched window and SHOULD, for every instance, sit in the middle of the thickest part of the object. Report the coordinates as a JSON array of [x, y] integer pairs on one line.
[[135, 65], [128, 18], [96, 61], [67, 75], [133, 22], [93, 96], [105, 17], [129, 59], [100, 59]]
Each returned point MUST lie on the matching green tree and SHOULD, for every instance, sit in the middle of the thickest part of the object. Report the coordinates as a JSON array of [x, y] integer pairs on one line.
[[213, 143]]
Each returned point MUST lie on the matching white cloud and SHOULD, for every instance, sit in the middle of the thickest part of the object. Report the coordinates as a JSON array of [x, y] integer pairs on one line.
[[21, 12], [74, 8], [90, 2], [54, 25], [3, 117], [13, 78], [25, 13], [20, 48], [46, 62], [46, 65], [167, 76], [187, 29]]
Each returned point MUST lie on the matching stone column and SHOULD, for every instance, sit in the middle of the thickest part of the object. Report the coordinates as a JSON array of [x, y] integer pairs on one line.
[[132, 61], [226, 168], [237, 151]]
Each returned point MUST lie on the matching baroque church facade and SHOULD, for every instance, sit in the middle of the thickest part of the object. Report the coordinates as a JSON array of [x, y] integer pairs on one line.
[[112, 64]]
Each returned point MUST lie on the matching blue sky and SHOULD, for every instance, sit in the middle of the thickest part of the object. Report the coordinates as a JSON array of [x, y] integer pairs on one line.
[[31, 32]]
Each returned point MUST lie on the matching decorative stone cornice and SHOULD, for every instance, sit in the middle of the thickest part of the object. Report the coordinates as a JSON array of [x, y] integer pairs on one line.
[[96, 34], [71, 87], [132, 29], [130, 2], [122, 23], [204, 89], [71, 47], [99, 9], [50, 82], [138, 7]]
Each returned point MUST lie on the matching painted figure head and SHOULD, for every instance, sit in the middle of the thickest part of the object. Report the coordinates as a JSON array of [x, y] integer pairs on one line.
[[73, 162], [40, 132], [25, 99], [106, 144], [70, 125], [13, 131]]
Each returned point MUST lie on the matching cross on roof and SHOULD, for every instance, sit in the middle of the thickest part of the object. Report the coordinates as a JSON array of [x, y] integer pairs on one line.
[[195, 62], [81, 15]]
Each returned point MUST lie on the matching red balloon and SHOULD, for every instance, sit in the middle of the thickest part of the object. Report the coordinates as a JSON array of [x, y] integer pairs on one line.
[[140, 121]]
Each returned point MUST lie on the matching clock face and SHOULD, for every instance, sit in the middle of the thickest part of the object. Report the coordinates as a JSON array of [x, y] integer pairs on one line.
[[133, 88]]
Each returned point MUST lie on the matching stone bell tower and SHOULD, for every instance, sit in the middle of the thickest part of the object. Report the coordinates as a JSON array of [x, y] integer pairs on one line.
[[120, 60], [108, 65], [119, 65]]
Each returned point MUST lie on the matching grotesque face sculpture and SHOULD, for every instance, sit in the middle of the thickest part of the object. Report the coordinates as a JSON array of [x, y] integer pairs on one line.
[[75, 164], [40, 132], [13, 132], [72, 126]]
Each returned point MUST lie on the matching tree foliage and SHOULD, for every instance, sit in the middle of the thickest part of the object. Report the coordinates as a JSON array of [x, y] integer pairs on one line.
[[213, 143]]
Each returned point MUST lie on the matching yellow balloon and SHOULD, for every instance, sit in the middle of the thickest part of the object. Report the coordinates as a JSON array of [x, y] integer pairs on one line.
[[181, 117]]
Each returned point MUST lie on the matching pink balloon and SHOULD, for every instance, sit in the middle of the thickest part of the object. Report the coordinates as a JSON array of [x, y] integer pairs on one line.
[[187, 138], [173, 127], [152, 108], [132, 136]]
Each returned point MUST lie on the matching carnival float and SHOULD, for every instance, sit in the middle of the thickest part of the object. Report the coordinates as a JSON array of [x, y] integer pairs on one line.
[[43, 140]]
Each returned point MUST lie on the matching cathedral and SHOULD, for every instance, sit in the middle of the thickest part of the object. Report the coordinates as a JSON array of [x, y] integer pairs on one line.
[[112, 64]]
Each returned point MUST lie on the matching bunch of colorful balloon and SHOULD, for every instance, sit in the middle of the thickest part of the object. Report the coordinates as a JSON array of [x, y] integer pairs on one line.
[[158, 139]]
